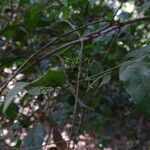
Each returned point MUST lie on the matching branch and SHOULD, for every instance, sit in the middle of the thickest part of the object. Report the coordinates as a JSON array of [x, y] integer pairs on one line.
[[77, 87], [95, 34], [80, 125]]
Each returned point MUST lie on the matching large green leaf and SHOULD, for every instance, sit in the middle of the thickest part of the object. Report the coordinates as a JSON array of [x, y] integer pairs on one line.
[[136, 77], [50, 78], [12, 93], [34, 138]]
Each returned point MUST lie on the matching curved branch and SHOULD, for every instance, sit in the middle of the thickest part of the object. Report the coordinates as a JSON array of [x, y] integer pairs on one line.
[[95, 34]]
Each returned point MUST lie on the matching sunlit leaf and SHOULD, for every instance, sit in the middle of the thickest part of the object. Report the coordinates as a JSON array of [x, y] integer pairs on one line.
[[12, 93]]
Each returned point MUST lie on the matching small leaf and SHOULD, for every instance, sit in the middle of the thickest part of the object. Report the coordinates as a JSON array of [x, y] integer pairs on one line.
[[50, 78], [106, 79], [65, 2], [12, 93], [35, 137]]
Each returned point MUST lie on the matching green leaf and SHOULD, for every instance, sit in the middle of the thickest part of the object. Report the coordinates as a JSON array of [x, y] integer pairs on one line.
[[106, 79], [11, 111], [50, 78], [65, 2], [34, 137], [35, 10], [32, 16], [12, 93], [136, 77]]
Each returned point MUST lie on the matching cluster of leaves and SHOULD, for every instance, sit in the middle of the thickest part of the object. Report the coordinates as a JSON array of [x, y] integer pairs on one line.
[[79, 63]]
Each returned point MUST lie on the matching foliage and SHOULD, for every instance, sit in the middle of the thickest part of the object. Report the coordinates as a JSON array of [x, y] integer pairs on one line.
[[135, 74], [11, 95], [83, 63]]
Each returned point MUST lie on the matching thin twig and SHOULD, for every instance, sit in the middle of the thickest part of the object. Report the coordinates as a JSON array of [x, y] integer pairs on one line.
[[85, 25], [78, 79], [72, 89], [85, 39], [80, 125]]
